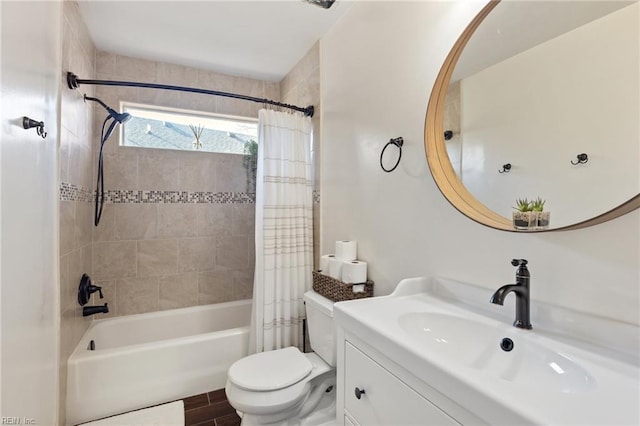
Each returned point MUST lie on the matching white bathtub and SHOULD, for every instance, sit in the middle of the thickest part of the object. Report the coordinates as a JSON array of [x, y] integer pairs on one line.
[[148, 359]]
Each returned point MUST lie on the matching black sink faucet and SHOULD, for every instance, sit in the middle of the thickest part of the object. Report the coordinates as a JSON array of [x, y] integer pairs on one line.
[[521, 291]]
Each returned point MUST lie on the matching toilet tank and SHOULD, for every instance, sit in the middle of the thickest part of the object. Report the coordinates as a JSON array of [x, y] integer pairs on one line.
[[320, 325]]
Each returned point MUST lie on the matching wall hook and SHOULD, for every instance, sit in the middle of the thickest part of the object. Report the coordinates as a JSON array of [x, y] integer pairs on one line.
[[506, 168], [448, 135], [396, 142], [29, 123], [582, 158]]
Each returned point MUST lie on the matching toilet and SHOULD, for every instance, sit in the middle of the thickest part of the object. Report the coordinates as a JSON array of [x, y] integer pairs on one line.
[[286, 386]]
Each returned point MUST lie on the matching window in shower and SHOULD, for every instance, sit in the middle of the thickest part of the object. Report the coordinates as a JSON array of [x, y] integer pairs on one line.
[[170, 128]]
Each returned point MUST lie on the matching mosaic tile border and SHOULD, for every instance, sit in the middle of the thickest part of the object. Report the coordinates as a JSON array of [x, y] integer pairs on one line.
[[71, 192], [178, 197]]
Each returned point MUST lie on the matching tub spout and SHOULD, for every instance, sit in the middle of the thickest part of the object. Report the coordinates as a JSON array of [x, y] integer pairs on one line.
[[91, 310]]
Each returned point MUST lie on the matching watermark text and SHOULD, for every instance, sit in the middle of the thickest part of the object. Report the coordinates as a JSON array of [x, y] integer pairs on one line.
[[6, 420]]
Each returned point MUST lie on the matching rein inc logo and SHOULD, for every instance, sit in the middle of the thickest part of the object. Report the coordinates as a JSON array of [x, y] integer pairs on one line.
[[17, 421]]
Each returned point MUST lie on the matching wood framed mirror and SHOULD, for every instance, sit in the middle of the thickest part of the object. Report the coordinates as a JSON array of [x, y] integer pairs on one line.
[[602, 120]]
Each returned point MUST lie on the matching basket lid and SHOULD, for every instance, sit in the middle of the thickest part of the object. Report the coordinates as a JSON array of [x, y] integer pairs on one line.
[[271, 370]]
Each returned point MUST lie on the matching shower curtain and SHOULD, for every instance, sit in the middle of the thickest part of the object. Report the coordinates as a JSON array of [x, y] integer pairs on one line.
[[284, 230]]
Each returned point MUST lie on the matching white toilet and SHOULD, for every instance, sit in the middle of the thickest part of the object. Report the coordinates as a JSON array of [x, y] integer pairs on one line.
[[286, 386]]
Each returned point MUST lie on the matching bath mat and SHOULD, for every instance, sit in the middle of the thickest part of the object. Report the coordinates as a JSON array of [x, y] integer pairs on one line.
[[171, 414]]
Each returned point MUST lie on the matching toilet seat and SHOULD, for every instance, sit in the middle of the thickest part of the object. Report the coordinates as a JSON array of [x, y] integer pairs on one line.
[[265, 402], [270, 371], [268, 402]]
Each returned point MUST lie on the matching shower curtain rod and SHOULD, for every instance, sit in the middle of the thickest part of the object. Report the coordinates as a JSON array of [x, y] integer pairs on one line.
[[74, 82]]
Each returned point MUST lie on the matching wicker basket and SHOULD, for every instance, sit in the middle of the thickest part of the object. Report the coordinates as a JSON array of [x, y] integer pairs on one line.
[[337, 290]]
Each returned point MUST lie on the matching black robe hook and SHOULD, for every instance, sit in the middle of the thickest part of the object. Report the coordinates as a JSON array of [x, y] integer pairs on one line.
[[506, 168], [29, 123], [582, 158]]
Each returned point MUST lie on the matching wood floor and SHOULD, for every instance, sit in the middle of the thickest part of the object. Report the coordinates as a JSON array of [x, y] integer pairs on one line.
[[210, 409]]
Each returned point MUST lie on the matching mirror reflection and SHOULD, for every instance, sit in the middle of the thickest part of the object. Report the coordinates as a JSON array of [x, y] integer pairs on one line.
[[539, 85]]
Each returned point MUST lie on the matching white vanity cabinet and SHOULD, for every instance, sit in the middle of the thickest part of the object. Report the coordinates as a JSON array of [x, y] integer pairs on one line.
[[374, 396]]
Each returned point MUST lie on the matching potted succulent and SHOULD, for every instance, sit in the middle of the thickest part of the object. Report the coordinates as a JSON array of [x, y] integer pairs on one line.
[[542, 217], [523, 216]]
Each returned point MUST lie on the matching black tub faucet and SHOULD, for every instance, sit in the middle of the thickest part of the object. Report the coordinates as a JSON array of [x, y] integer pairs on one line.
[[521, 291], [92, 310], [85, 290]]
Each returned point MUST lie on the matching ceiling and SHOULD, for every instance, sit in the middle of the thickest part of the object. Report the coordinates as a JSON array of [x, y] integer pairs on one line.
[[260, 39]]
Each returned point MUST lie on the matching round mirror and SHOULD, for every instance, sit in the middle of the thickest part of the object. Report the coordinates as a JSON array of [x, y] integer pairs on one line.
[[532, 124]]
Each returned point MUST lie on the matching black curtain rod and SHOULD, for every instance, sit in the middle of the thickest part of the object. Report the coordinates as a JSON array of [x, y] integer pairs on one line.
[[74, 82]]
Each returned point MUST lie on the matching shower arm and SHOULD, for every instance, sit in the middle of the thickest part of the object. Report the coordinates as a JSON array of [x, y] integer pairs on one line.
[[89, 98], [74, 82]]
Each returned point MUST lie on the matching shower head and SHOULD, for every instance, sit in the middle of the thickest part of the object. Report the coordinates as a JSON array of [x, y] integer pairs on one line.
[[115, 116], [119, 117], [325, 4], [108, 126]]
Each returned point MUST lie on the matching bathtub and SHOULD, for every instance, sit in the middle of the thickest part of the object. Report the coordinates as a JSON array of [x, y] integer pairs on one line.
[[148, 359]]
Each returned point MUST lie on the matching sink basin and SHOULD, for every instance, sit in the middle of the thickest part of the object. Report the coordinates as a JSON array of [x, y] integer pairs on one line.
[[477, 345]]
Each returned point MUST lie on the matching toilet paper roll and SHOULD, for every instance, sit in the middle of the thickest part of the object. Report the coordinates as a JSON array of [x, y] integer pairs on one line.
[[335, 268], [346, 250], [354, 271], [324, 263]]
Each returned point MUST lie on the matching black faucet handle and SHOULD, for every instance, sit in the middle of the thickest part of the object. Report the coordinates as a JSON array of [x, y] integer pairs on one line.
[[519, 262], [93, 288]]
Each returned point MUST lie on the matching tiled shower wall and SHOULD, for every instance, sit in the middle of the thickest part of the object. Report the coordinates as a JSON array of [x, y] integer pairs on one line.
[[301, 86], [75, 173], [178, 227]]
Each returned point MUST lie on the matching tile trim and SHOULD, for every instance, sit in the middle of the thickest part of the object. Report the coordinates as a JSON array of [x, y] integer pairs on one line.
[[178, 197], [71, 192]]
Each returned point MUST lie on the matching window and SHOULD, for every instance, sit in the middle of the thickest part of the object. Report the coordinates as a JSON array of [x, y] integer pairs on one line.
[[166, 128]]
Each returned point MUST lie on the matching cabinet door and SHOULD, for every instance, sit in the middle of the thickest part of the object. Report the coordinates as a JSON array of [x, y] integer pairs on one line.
[[374, 396]]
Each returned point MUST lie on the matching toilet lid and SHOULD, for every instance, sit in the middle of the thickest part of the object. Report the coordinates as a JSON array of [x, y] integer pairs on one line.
[[270, 370]]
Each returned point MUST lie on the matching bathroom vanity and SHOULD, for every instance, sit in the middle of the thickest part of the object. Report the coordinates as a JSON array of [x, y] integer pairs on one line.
[[437, 352]]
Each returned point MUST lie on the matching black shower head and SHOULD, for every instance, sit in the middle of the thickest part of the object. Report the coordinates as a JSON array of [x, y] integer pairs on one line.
[[325, 4], [119, 117], [112, 121]]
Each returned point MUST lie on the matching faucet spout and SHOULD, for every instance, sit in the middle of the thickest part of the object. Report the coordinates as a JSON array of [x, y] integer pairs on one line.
[[498, 297]]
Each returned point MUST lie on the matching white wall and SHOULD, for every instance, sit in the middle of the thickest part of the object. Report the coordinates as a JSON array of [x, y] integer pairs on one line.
[[29, 284], [378, 66], [579, 92]]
